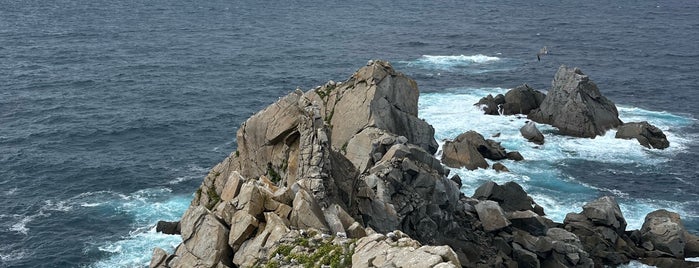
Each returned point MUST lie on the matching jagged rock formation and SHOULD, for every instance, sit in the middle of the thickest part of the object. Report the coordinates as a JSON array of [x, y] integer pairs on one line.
[[519, 100], [470, 150], [491, 105], [575, 106], [646, 134], [601, 229], [664, 234], [336, 159], [317, 172]]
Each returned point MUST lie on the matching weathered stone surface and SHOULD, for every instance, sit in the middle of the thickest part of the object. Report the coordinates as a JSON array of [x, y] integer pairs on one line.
[[665, 231], [469, 150], [263, 137], [521, 100], [306, 212], [242, 226], [252, 250], [168, 227], [491, 105], [399, 250], [205, 240], [510, 195], [605, 211], [646, 134], [499, 167], [232, 186], [601, 229], [531, 133], [158, 259], [491, 215], [311, 171], [514, 155], [525, 258], [575, 106], [391, 99], [528, 221]]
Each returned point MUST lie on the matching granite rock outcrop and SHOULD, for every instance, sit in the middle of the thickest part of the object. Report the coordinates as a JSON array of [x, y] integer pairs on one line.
[[575, 106], [646, 134], [345, 174]]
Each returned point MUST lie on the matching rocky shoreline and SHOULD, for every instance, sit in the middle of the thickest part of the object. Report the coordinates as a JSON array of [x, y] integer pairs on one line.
[[345, 175]]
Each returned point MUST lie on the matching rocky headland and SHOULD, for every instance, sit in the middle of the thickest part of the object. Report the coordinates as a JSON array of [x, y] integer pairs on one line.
[[345, 175]]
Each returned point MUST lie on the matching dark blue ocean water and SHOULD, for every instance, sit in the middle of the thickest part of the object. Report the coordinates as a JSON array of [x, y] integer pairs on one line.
[[111, 112]]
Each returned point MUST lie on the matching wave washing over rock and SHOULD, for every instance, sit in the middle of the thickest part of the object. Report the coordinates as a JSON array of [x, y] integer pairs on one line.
[[345, 174]]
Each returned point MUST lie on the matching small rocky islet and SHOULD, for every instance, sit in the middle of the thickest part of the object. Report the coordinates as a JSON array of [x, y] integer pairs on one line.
[[345, 175]]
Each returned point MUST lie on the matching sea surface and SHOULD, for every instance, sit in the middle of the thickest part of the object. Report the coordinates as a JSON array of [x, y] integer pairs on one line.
[[112, 112]]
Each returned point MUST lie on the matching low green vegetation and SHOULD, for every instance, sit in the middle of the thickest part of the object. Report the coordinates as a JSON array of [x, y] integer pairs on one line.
[[214, 198], [272, 174], [322, 253]]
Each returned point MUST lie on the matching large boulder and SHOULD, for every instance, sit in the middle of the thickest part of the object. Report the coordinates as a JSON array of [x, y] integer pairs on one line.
[[168, 227], [519, 100], [396, 249], [470, 149], [646, 134], [491, 215], [510, 196], [665, 231], [522, 99], [575, 106], [601, 229], [388, 100], [531, 133], [491, 105]]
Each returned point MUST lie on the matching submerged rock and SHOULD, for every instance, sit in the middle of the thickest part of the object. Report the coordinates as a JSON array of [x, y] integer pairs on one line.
[[575, 106], [646, 134]]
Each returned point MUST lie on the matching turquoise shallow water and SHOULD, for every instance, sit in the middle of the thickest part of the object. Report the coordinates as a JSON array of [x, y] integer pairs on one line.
[[111, 112]]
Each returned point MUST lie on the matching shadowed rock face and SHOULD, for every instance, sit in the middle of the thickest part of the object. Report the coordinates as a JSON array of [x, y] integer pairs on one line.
[[575, 106], [646, 134], [519, 100]]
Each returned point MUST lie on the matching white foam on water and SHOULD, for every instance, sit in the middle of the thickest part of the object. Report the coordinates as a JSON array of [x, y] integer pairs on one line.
[[8, 256], [451, 112], [147, 207], [457, 59], [477, 63], [136, 249]]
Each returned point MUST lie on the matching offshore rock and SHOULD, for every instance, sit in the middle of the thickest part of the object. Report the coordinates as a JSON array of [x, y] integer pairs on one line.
[[491, 105], [519, 100], [575, 106], [167, 227], [531, 133], [522, 99], [646, 134]]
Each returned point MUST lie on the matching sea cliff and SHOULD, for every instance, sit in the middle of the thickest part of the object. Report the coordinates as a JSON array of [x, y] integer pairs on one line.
[[345, 174]]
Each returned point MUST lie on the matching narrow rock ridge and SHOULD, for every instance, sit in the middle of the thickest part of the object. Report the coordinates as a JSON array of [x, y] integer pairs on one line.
[[345, 174]]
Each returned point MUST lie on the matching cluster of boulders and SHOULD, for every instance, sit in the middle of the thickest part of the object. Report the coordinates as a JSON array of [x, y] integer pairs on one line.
[[345, 174], [519, 100], [575, 106], [470, 149]]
